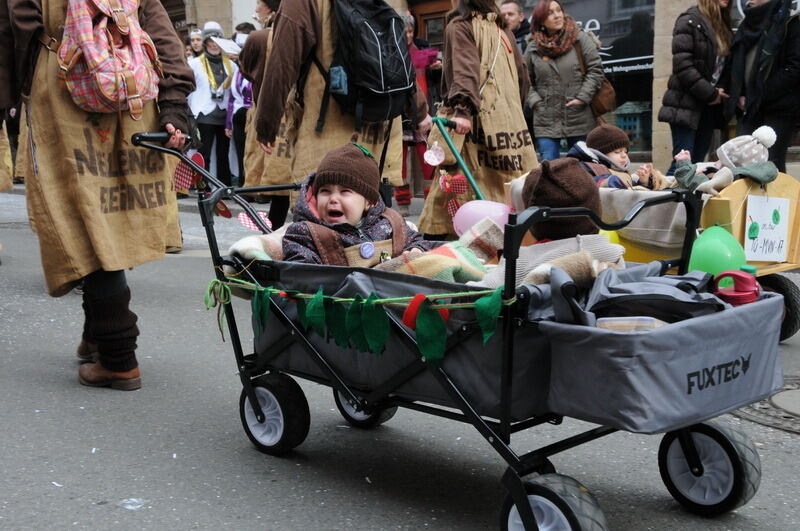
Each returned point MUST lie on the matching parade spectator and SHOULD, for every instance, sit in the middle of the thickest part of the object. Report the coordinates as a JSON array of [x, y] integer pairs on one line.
[[561, 90], [196, 41], [87, 230], [213, 73], [516, 22], [484, 82], [304, 31], [763, 73], [701, 41], [238, 104], [424, 60]]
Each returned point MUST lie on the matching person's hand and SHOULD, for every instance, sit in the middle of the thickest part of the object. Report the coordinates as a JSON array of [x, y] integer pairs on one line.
[[644, 172], [425, 125], [436, 65], [266, 147], [742, 103], [683, 155], [574, 101], [176, 139], [463, 126], [12, 112], [229, 133], [721, 95]]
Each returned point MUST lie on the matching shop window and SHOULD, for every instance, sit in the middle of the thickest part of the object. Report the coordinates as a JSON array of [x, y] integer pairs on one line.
[[434, 31]]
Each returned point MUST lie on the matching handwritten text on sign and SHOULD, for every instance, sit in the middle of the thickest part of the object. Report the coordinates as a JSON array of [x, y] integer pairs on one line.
[[766, 233]]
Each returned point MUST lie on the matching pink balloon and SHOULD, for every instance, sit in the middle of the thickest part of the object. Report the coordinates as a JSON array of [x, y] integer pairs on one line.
[[472, 212]]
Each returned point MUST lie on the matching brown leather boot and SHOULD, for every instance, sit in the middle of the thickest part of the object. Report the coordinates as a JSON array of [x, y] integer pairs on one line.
[[87, 351], [95, 375]]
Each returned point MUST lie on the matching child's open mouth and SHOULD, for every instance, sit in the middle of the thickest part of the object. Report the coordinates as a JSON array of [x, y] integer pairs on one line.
[[335, 214]]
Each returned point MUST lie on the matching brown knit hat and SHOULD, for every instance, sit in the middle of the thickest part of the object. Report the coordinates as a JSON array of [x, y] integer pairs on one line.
[[562, 183], [350, 166], [607, 138]]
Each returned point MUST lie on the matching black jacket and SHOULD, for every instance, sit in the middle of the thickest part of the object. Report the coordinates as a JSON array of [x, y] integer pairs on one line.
[[780, 92], [521, 35], [694, 53]]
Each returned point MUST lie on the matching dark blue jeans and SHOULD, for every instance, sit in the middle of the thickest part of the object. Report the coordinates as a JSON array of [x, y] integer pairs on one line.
[[548, 148], [696, 141]]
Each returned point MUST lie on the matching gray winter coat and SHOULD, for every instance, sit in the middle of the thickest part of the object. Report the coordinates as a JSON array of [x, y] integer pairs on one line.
[[556, 81]]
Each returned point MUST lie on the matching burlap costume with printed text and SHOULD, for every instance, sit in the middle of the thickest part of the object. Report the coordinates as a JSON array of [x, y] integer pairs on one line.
[[261, 169], [499, 146], [98, 202], [311, 146], [6, 167]]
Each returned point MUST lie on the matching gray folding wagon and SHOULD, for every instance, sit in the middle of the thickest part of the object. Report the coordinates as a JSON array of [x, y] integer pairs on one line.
[[542, 365]]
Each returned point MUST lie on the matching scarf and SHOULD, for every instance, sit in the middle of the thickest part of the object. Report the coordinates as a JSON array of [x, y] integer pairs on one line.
[[763, 27], [227, 65], [558, 44]]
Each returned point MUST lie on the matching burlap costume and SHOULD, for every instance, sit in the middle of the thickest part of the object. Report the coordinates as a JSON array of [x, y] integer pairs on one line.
[[6, 169], [262, 169], [302, 28], [499, 147], [98, 202]]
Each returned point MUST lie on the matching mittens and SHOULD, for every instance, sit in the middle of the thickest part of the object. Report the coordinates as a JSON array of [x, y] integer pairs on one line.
[[717, 183]]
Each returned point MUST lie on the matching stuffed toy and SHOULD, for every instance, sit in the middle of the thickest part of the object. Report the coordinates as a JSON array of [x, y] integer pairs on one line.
[[581, 267]]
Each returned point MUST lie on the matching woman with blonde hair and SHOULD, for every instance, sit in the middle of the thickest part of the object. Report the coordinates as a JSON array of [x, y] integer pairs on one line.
[[701, 41]]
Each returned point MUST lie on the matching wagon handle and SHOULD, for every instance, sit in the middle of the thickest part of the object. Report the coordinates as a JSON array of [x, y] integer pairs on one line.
[[442, 124]]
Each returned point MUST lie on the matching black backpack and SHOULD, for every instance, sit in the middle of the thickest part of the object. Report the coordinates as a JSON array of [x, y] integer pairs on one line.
[[371, 75]]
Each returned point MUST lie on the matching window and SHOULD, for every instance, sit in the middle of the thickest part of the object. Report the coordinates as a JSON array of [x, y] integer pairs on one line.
[[434, 31]]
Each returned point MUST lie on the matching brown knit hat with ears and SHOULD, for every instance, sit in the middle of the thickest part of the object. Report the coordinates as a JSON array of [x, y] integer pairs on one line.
[[562, 183], [352, 167], [607, 138]]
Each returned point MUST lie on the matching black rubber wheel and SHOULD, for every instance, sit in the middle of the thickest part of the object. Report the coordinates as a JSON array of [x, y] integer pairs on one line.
[[362, 419], [791, 301], [731, 469], [286, 410], [559, 503]]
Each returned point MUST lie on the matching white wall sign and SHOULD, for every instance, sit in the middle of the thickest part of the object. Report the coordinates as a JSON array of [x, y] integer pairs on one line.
[[766, 231]]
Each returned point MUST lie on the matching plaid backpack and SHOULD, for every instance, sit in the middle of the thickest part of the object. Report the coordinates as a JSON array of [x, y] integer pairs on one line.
[[108, 62]]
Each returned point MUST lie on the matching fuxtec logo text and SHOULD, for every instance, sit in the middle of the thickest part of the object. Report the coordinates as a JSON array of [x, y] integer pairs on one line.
[[717, 374]]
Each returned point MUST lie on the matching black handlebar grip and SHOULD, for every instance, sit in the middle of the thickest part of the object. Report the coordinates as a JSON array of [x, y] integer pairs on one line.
[[449, 123], [158, 138]]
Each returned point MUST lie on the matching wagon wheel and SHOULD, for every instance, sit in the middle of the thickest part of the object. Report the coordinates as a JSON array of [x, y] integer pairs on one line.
[[730, 475], [362, 419], [791, 302], [559, 503], [286, 414]]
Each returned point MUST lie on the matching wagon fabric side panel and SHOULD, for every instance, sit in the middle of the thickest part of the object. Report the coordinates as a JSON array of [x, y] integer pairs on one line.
[[474, 367]]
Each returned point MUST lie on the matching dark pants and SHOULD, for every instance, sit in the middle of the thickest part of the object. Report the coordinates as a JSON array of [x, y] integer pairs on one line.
[[278, 210], [696, 141], [208, 133], [783, 124], [239, 137], [108, 320]]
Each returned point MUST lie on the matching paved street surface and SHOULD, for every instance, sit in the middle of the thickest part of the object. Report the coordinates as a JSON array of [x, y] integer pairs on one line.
[[175, 453]]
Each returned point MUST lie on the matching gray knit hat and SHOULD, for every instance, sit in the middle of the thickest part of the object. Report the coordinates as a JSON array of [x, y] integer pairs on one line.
[[747, 149]]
